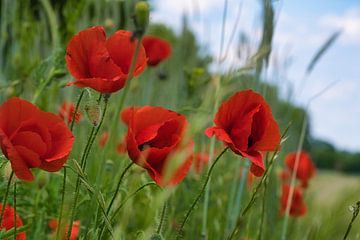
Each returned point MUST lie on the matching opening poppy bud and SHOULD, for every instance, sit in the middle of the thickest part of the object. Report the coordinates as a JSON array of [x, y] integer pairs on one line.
[[141, 16], [93, 112]]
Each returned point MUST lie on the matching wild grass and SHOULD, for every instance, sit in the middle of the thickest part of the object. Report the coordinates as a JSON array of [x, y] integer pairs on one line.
[[33, 39]]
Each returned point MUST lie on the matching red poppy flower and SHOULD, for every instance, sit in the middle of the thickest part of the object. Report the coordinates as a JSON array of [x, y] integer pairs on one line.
[[66, 112], [121, 146], [154, 133], [53, 225], [102, 64], [8, 221], [103, 139], [200, 160], [298, 207], [285, 176], [156, 49], [245, 123], [306, 168], [31, 138]]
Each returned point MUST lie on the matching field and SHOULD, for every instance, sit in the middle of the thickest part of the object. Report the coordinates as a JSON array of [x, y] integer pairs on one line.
[[113, 126]]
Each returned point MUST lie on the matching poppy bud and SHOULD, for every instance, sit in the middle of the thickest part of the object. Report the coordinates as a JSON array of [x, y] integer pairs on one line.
[[141, 16], [93, 111], [109, 165], [109, 23]]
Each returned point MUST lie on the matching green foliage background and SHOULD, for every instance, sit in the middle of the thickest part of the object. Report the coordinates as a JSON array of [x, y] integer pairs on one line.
[[34, 34]]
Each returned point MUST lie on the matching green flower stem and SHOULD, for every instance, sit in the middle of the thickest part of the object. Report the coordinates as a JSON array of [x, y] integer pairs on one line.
[[64, 175], [356, 210], [179, 234], [42, 87], [116, 212], [76, 109], [15, 210], [231, 201], [106, 100], [76, 193], [52, 22], [239, 193], [259, 237], [162, 218], [216, 104], [293, 180], [12, 231], [115, 120], [118, 187], [61, 206], [6, 196], [91, 139], [257, 188]]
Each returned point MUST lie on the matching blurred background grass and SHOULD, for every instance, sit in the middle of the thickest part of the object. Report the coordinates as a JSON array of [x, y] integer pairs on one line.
[[34, 34]]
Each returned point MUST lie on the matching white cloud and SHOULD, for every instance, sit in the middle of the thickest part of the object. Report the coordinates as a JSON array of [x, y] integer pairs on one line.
[[334, 115], [349, 22]]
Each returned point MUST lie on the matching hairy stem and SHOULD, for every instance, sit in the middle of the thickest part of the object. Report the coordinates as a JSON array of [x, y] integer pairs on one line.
[[61, 205], [293, 180], [179, 234], [356, 210], [76, 109], [6, 196], [118, 187], [15, 210], [162, 218], [91, 139]]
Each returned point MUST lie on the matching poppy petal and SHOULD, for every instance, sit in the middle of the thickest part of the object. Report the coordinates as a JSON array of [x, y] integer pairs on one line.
[[62, 140], [87, 56], [18, 165], [257, 165], [156, 49], [54, 165], [30, 157], [219, 133], [102, 85], [121, 48], [271, 137], [30, 140], [16, 111]]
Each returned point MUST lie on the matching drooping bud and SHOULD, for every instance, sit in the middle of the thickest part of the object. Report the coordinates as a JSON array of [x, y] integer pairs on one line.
[[142, 11]]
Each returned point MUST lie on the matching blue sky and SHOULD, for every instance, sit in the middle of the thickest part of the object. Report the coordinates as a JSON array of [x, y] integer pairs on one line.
[[302, 27]]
